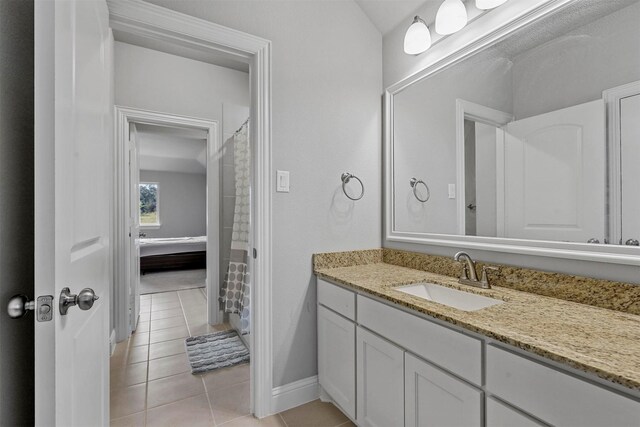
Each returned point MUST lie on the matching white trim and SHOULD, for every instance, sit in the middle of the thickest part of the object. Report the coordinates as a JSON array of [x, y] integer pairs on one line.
[[122, 252], [112, 342], [164, 25], [477, 113], [612, 98], [483, 32], [295, 394]]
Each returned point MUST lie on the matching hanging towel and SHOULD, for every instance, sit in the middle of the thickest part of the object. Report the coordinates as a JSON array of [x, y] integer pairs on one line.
[[235, 292]]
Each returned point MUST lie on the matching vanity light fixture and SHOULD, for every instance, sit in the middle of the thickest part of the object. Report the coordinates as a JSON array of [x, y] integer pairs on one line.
[[451, 17], [417, 39], [489, 4]]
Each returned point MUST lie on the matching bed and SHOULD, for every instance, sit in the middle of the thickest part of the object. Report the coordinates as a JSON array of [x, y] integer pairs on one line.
[[173, 253]]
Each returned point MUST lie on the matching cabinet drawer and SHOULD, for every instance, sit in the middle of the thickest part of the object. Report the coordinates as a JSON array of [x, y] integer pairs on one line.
[[337, 299], [444, 347], [502, 415], [555, 397]]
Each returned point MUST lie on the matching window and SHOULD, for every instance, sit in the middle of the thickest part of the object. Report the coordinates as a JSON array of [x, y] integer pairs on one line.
[[149, 204]]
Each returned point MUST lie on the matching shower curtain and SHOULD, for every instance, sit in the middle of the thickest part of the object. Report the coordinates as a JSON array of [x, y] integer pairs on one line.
[[235, 292]]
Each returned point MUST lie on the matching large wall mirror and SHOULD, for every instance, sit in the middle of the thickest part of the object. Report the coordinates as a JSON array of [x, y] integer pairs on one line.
[[532, 141]]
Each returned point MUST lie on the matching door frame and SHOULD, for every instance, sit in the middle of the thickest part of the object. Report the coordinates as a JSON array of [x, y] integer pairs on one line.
[[466, 110], [167, 27], [122, 256], [612, 98]]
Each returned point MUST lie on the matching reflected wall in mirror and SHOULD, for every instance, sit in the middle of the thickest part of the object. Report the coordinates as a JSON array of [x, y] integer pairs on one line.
[[512, 142]]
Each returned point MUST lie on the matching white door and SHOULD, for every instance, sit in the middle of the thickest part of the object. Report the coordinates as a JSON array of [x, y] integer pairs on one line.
[[73, 151], [380, 381], [630, 155], [554, 175], [134, 228], [434, 398], [337, 359]]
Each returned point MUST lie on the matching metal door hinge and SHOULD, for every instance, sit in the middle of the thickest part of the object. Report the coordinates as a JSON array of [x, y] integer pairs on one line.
[[255, 253]]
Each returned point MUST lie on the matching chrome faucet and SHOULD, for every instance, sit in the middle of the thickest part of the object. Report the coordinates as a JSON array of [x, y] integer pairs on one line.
[[468, 276]]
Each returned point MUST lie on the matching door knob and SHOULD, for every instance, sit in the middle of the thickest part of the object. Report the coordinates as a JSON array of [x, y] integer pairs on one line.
[[19, 305], [632, 242], [593, 240], [84, 300]]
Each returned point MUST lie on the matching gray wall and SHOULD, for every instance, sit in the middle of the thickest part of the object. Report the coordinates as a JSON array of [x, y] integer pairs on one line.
[[397, 66], [183, 207], [16, 209], [327, 82]]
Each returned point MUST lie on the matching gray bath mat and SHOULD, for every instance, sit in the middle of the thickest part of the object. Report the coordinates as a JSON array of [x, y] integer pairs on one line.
[[216, 350]]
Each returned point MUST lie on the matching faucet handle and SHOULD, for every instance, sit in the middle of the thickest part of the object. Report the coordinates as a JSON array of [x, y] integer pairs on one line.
[[485, 279]]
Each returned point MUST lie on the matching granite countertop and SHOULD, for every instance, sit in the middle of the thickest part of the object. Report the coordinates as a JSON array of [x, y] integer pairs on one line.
[[595, 340]]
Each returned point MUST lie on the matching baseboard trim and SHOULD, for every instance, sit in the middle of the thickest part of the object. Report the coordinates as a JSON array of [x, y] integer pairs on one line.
[[112, 342], [295, 394]]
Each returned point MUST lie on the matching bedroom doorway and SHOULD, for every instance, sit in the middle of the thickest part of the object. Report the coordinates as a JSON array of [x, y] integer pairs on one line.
[[168, 202]]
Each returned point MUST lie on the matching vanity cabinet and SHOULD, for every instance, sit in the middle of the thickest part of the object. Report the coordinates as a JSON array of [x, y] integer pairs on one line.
[[380, 378], [433, 398], [336, 359], [387, 367], [553, 396]]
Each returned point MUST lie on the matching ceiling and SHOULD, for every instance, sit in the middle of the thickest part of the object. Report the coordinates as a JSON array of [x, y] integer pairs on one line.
[[171, 149], [388, 14]]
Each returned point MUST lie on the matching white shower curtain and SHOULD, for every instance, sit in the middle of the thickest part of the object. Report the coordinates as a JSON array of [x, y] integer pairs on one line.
[[235, 292]]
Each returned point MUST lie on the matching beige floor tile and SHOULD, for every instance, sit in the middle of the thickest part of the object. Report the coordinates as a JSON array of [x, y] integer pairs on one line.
[[251, 421], [145, 297], [168, 366], [225, 377], [164, 314], [144, 317], [163, 296], [167, 348], [172, 389], [170, 322], [137, 354], [145, 308], [139, 338], [164, 306], [127, 401], [192, 412], [231, 402], [314, 413], [135, 420], [143, 327], [168, 334], [128, 375]]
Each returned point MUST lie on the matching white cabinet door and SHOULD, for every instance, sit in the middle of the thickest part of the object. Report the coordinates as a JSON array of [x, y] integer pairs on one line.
[[554, 175], [337, 359], [435, 398], [501, 415], [380, 370]]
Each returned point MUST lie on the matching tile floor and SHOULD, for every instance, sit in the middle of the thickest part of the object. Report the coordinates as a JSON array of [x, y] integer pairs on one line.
[[152, 385]]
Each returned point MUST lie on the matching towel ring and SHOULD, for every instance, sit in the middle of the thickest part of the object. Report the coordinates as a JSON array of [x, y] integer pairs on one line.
[[414, 184], [346, 177]]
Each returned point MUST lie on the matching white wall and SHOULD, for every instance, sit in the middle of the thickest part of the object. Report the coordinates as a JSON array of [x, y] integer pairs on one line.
[[398, 66], [327, 82], [183, 208], [587, 53], [158, 81]]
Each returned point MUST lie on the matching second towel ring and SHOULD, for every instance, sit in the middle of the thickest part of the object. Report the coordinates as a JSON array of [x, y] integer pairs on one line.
[[346, 177], [413, 182]]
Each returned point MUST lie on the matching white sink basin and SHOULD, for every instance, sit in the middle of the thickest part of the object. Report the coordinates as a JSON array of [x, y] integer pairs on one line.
[[452, 297]]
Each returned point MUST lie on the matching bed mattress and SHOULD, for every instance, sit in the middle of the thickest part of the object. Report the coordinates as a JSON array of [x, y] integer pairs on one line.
[[172, 245]]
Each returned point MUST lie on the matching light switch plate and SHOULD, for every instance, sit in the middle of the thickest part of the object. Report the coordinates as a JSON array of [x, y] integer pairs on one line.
[[282, 181], [452, 191]]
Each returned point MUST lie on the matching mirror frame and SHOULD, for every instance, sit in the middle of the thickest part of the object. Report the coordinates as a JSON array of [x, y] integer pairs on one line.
[[479, 34]]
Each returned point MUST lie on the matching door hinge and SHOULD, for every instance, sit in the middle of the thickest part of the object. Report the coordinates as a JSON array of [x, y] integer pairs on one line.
[[255, 253]]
